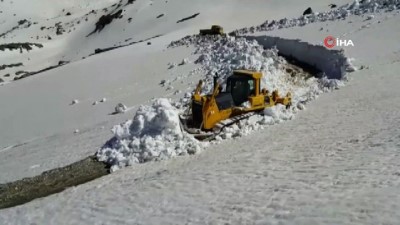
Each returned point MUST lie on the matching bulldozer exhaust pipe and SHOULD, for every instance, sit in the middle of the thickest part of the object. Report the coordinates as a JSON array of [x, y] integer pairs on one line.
[[215, 80]]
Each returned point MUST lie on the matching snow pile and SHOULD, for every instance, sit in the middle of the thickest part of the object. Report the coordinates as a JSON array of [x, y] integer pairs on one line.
[[120, 108], [332, 63], [355, 8], [153, 134], [273, 115], [184, 62], [340, 13], [227, 54], [74, 102], [224, 55]]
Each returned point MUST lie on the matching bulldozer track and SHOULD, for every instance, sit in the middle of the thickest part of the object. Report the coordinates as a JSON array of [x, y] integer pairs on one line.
[[219, 127]]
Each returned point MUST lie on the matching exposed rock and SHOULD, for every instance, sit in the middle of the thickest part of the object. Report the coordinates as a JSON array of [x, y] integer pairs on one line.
[[188, 18], [308, 11], [130, 2], [21, 22], [20, 72], [105, 20], [10, 66], [332, 6], [26, 74], [15, 46], [60, 63], [101, 50], [60, 29]]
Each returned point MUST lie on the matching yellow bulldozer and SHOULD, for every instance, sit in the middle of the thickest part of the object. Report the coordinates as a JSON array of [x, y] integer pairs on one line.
[[215, 30], [242, 98]]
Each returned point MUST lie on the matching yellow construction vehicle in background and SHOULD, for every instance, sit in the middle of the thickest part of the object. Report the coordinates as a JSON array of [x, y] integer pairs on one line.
[[215, 30], [242, 98]]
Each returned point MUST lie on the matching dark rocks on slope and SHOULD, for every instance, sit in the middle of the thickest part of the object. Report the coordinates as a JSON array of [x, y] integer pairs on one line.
[[188, 18], [60, 30], [130, 2], [105, 20], [308, 11], [332, 6], [10, 66], [60, 63], [20, 46], [21, 22]]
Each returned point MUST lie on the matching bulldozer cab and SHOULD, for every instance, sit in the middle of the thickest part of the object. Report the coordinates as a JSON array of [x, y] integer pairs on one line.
[[241, 85], [216, 28], [241, 88]]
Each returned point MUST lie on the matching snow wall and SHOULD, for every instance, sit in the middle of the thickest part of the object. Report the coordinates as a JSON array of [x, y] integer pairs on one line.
[[332, 62]]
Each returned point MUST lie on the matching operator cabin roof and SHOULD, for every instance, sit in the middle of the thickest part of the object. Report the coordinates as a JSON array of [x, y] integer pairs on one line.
[[252, 73]]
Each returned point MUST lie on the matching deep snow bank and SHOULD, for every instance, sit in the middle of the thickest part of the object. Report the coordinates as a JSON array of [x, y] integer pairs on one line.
[[333, 63], [153, 134]]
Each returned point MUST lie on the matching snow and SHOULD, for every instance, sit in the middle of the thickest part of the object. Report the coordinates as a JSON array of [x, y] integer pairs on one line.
[[153, 134], [120, 108], [75, 101], [333, 63], [222, 56], [339, 13], [335, 163], [184, 62]]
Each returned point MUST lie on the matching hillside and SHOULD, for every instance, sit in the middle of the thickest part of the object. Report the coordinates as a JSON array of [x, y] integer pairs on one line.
[[331, 159]]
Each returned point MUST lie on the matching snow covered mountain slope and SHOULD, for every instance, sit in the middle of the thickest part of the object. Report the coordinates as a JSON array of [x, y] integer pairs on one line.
[[37, 110], [336, 163], [63, 28]]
